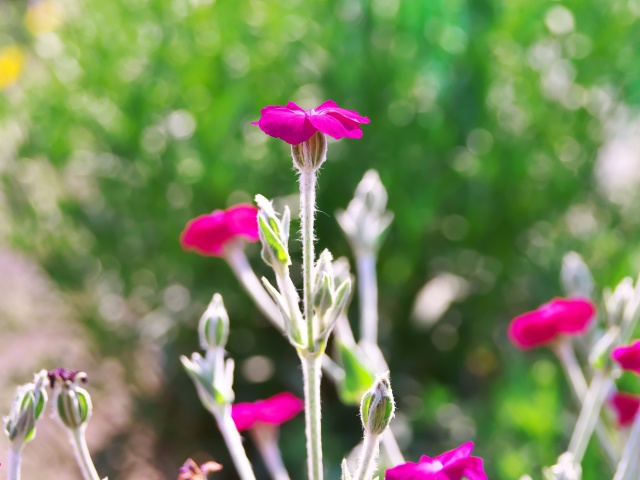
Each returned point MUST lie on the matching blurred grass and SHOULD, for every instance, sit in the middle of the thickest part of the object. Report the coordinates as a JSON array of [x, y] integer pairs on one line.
[[493, 128]]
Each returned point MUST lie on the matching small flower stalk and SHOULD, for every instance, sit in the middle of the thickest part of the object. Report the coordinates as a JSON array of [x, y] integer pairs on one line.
[[20, 425], [376, 411], [212, 375], [73, 410]]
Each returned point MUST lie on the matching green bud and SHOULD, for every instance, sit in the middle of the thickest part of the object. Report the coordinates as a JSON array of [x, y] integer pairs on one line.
[[377, 407], [213, 328], [274, 234], [73, 403], [28, 405], [310, 154], [324, 288], [213, 378], [365, 221]]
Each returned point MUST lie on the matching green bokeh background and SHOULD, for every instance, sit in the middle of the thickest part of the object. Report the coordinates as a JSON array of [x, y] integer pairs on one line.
[[491, 121]]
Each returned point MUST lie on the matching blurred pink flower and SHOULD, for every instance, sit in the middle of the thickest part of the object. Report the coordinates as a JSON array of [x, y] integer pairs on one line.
[[626, 406], [455, 464], [295, 125], [558, 317], [274, 410], [208, 234], [628, 357]]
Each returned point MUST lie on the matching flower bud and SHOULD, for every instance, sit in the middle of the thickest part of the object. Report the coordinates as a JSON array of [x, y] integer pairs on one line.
[[28, 405], [324, 288], [310, 154], [213, 328], [576, 276], [213, 378], [377, 407], [366, 219], [274, 234], [190, 470], [73, 403]]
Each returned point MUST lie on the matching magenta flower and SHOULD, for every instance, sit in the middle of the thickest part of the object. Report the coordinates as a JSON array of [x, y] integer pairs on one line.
[[208, 234], [274, 410], [295, 125], [65, 376], [455, 464], [628, 357], [626, 407], [558, 317]]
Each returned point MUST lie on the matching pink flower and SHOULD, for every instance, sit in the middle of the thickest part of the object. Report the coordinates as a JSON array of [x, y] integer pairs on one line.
[[455, 464], [208, 234], [626, 406], [628, 357], [295, 125], [558, 317], [274, 410]]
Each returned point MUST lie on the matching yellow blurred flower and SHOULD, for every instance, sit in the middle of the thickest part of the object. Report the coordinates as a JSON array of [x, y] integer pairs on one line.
[[11, 64], [44, 16]]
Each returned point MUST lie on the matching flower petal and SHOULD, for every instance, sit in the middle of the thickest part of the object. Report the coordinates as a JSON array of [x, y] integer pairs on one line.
[[332, 107], [288, 123], [626, 406], [628, 357], [335, 125], [406, 471], [206, 234], [280, 408], [531, 330], [463, 451], [243, 220], [468, 468], [571, 316], [244, 415]]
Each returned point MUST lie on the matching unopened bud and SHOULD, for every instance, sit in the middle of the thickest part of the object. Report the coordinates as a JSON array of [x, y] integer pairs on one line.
[[213, 328], [274, 234], [576, 276], [366, 219], [28, 405], [377, 407], [73, 403], [190, 470], [324, 288], [310, 154]]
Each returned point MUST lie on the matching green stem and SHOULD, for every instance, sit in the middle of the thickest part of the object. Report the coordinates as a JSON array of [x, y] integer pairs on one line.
[[627, 467], [265, 438], [234, 445], [368, 294], [589, 416], [307, 213], [14, 464], [573, 372], [311, 375], [83, 456], [392, 448], [367, 461], [241, 268]]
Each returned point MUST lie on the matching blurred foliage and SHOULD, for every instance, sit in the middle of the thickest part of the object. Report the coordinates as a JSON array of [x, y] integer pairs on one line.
[[506, 133]]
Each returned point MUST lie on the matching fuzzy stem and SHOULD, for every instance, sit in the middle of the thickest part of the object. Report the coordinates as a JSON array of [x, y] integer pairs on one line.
[[311, 376], [14, 464], [566, 356], [368, 294], [367, 462], [626, 467], [307, 213], [234, 444], [266, 439], [391, 448], [588, 415], [82, 454], [240, 266]]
